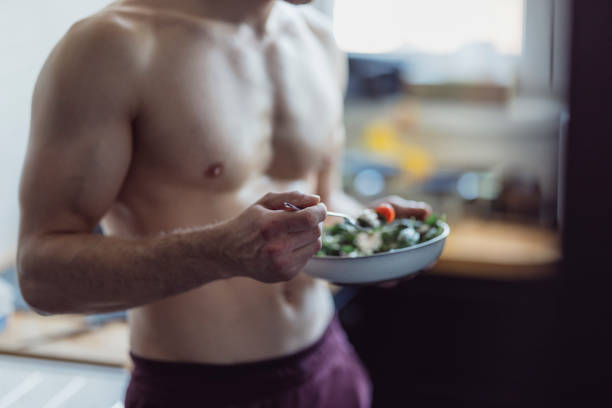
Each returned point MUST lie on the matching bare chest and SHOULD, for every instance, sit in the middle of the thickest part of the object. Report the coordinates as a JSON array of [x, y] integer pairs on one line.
[[218, 112]]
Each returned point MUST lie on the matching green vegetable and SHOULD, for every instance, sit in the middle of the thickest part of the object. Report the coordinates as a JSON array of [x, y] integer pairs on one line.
[[341, 239], [431, 233], [408, 237], [347, 249], [431, 220]]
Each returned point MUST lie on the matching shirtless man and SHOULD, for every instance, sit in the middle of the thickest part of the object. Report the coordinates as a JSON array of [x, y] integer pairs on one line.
[[171, 122]]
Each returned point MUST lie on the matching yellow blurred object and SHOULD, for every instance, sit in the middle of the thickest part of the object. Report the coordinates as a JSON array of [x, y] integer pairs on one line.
[[383, 138], [416, 161]]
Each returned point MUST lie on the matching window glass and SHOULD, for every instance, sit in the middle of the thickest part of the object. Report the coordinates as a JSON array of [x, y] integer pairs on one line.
[[432, 26], [442, 40]]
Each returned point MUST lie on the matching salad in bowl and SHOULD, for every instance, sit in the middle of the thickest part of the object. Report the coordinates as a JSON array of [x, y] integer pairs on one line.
[[378, 231], [377, 247]]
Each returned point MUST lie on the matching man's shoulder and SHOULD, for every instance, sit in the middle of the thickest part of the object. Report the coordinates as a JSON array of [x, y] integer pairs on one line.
[[107, 38], [100, 58]]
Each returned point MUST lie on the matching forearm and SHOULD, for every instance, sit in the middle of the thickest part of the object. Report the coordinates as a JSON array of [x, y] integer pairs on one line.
[[86, 273]]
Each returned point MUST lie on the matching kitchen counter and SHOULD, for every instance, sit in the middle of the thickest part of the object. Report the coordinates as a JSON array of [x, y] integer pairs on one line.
[[65, 338], [498, 250]]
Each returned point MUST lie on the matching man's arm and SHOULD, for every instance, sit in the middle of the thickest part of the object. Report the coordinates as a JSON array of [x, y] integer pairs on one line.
[[78, 156]]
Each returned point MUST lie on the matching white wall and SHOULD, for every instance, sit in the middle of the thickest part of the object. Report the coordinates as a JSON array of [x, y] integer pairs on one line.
[[28, 31], [326, 6]]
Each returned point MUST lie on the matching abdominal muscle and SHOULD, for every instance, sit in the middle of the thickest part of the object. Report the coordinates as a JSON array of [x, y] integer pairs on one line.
[[229, 320]]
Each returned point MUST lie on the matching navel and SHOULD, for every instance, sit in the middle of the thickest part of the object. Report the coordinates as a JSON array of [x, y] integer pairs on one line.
[[214, 170]]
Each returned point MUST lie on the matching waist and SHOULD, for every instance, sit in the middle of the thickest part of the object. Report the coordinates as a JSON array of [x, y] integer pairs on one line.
[[293, 367], [229, 385], [232, 321]]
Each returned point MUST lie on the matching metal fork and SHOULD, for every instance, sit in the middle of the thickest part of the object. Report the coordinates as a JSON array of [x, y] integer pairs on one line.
[[347, 218]]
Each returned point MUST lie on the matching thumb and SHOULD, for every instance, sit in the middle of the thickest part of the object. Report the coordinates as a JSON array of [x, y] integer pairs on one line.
[[275, 201]]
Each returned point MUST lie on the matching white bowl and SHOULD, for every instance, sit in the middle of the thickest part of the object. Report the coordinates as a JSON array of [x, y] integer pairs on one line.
[[399, 263]]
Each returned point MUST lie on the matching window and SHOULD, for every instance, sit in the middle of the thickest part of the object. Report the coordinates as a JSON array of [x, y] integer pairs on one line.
[[443, 40]]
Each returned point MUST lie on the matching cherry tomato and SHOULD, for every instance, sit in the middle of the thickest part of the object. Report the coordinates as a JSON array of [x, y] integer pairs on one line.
[[386, 211]]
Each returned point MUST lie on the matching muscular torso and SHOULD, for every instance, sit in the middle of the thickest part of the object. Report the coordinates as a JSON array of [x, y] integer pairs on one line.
[[227, 114]]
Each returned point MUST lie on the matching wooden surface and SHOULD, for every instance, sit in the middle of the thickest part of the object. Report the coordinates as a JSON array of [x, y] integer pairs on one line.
[[105, 345], [66, 338], [7, 258], [499, 251], [474, 249]]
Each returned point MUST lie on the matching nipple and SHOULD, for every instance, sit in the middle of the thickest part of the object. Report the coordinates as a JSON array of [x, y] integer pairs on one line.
[[214, 170]]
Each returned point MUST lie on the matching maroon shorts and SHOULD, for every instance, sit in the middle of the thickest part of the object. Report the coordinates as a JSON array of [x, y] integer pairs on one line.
[[325, 374]]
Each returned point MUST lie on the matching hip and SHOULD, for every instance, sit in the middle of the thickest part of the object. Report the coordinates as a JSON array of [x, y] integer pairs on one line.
[[326, 373]]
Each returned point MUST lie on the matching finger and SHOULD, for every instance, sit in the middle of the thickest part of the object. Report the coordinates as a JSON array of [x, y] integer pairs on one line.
[[298, 240], [275, 201], [298, 258], [299, 221], [408, 208], [416, 212], [389, 284], [307, 251]]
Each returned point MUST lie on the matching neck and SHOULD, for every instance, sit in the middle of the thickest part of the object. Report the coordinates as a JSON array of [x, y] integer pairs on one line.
[[252, 12], [239, 11]]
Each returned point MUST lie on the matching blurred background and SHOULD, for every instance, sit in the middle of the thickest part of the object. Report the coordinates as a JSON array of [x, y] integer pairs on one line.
[[460, 104], [456, 103]]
